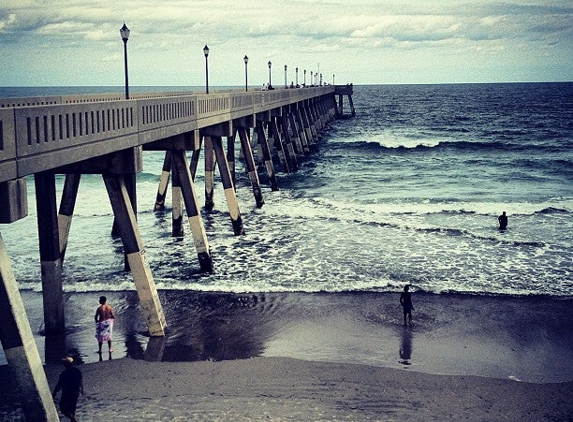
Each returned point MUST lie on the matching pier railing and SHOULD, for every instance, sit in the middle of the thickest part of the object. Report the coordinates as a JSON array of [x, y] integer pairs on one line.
[[43, 133]]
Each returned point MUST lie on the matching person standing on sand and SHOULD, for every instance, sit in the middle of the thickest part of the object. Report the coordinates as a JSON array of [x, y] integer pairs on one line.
[[502, 221], [104, 318], [71, 384], [406, 302]]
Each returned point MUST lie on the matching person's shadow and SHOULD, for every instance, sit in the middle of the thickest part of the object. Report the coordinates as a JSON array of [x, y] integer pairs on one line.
[[406, 346]]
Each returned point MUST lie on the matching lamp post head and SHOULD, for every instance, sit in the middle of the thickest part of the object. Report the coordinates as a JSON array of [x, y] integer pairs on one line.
[[246, 59], [206, 51], [124, 31], [270, 64], [285, 67]]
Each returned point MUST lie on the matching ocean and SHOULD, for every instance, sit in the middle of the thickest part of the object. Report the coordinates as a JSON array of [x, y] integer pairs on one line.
[[407, 192]]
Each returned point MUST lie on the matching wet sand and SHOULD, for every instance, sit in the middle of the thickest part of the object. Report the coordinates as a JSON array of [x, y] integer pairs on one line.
[[300, 356]]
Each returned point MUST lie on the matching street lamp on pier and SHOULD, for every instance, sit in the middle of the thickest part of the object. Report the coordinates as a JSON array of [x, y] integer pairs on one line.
[[304, 78], [124, 31], [333, 80], [286, 83], [246, 60], [296, 71], [311, 78], [206, 53], [270, 66]]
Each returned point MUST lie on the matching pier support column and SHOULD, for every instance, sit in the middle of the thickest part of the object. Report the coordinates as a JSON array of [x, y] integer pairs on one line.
[[163, 183], [304, 133], [20, 349], [133, 246], [177, 205], [250, 165], [263, 142], [192, 208], [279, 144], [209, 174], [231, 156], [50, 260], [67, 205], [296, 134], [307, 113], [288, 142], [230, 195]]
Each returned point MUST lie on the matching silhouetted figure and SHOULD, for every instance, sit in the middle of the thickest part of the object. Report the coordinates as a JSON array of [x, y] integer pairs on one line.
[[406, 302], [71, 384], [104, 318], [502, 221]]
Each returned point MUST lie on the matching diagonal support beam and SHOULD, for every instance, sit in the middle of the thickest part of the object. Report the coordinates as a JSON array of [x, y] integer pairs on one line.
[[230, 195], [192, 208], [251, 166], [133, 246], [66, 211], [20, 348]]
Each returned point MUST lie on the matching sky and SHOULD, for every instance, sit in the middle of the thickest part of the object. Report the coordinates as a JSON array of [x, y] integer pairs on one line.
[[77, 43]]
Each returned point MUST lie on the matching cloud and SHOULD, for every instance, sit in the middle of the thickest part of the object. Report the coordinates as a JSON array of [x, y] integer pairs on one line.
[[170, 32]]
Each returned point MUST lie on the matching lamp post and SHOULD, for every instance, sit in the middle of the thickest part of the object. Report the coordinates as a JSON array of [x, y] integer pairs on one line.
[[333, 80], [246, 60], [311, 78], [270, 65], [286, 83], [124, 31], [206, 53], [296, 72], [304, 78]]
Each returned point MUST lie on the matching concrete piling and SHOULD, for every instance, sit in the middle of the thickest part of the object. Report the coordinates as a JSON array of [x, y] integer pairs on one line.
[[48, 234], [133, 247], [250, 165], [209, 173], [228, 187], [66, 211], [177, 205], [265, 149], [163, 182], [20, 348], [193, 214]]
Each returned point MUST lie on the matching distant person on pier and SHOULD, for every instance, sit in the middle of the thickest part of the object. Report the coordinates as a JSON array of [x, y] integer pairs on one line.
[[104, 318], [502, 221], [71, 384], [406, 302]]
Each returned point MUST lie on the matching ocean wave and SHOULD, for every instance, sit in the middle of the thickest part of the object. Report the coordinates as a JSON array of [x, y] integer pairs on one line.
[[405, 141]]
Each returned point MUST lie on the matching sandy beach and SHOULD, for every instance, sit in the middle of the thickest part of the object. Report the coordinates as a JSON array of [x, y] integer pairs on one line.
[[295, 356]]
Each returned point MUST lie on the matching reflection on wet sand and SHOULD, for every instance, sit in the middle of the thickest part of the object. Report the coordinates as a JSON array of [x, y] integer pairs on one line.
[[406, 346]]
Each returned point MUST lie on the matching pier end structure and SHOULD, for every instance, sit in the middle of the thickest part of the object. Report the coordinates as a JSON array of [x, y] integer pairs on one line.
[[341, 91]]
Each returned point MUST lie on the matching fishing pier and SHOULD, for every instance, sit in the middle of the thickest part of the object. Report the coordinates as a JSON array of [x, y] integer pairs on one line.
[[105, 134]]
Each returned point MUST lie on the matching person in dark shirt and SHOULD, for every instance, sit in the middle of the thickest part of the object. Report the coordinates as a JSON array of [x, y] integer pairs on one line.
[[71, 384], [502, 221], [406, 302]]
